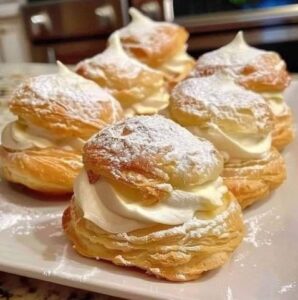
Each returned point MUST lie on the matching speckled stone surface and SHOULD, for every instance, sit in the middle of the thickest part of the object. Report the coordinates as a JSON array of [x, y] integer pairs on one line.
[[13, 287]]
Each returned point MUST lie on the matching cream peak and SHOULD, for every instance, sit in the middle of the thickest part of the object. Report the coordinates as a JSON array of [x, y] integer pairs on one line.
[[115, 43], [238, 41], [137, 16]]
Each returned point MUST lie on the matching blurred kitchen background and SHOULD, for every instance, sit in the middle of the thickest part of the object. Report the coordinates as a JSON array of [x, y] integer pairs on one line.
[[70, 30]]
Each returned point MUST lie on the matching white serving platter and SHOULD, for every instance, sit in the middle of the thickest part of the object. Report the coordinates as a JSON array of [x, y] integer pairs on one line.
[[264, 267]]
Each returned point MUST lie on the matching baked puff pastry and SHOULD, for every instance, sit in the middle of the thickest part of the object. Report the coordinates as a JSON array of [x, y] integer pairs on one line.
[[139, 89], [150, 196], [56, 114], [263, 72], [160, 45], [239, 123]]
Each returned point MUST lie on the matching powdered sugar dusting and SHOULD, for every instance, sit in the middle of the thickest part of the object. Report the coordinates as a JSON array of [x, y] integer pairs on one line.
[[144, 32], [124, 66], [78, 96], [154, 136], [223, 99], [235, 54]]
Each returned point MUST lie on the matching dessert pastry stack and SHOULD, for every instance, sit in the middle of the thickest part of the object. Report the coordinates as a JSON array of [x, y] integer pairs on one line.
[[150, 196], [239, 123], [263, 72], [56, 114], [139, 89], [149, 193]]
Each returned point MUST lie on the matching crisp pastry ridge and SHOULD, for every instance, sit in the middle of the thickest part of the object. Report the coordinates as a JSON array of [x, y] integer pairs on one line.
[[255, 69], [160, 45], [139, 88], [152, 156], [66, 104], [177, 253], [264, 72], [195, 105], [50, 170], [56, 114], [253, 180], [283, 132]]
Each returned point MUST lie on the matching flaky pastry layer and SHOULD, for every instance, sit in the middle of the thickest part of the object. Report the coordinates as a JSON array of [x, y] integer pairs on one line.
[[151, 154], [253, 180], [157, 45], [283, 132], [176, 253], [75, 111], [50, 170], [265, 73]]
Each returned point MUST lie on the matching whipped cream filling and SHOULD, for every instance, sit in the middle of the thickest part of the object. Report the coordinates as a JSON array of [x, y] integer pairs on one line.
[[19, 136], [234, 146], [276, 103], [150, 105], [177, 63], [116, 211]]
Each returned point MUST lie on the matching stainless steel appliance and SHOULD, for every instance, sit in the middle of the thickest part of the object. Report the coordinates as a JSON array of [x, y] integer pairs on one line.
[[71, 30]]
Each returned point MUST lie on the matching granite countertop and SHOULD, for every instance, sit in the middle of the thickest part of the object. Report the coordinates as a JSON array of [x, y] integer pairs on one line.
[[13, 287]]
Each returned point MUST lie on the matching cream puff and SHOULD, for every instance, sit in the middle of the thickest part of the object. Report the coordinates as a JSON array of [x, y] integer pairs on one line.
[[239, 123], [150, 196], [138, 88], [160, 45], [56, 114], [263, 72]]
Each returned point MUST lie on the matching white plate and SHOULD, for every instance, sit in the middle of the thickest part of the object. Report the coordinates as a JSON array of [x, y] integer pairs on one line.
[[264, 267]]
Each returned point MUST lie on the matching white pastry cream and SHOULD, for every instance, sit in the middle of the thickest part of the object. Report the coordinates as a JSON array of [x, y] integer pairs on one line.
[[177, 63], [276, 103], [18, 136], [115, 210], [234, 146], [150, 105]]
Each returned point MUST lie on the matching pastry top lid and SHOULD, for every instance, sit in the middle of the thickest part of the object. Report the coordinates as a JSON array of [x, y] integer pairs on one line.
[[236, 53], [255, 69], [150, 41], [151, 153], [113, 68], [217, 99], [64, 102]]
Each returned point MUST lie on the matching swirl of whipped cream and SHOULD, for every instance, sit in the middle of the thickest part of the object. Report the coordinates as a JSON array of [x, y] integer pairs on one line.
[[177, 63], [19, 136], [234, 146], [111, 209]]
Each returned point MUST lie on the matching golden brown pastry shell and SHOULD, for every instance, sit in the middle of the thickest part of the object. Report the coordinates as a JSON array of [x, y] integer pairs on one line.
[[260, 75], [176, 257], [283, 132], [50, 170], [57, 115], [127, 90], [253, 180], [162, 43]]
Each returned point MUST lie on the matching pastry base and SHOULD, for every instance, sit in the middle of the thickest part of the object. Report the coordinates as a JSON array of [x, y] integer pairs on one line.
[[180, 255], [50, 171], [253, 180]]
